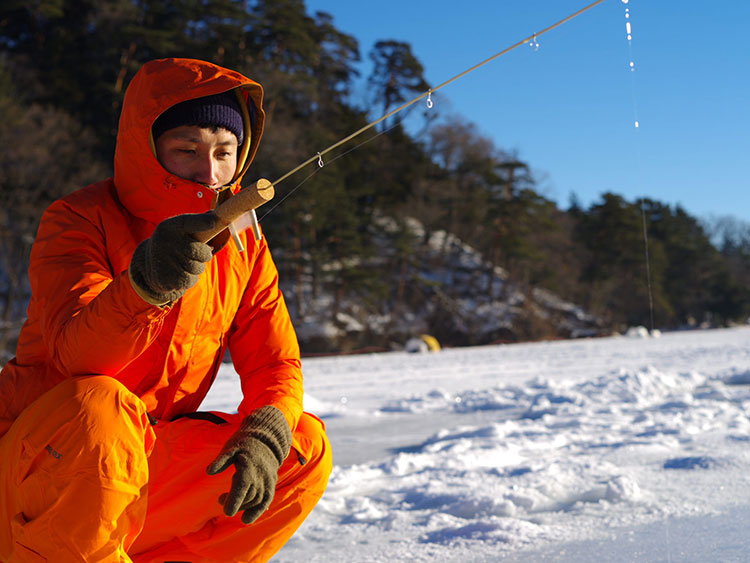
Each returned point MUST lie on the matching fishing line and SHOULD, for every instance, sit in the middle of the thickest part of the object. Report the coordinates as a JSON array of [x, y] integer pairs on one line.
[[321, 164], [648, 266], [532, 39], [637, 125]]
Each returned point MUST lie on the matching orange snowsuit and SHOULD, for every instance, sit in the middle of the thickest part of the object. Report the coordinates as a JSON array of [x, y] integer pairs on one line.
[[102, 456]]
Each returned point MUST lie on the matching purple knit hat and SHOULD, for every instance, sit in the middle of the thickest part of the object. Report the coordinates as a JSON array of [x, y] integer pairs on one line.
[[222, 110]]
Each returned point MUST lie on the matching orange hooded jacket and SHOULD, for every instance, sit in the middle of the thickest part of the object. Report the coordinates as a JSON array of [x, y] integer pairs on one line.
[[85, 317]]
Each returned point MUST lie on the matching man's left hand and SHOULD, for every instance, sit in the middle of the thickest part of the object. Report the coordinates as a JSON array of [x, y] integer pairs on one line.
[[256, 450]]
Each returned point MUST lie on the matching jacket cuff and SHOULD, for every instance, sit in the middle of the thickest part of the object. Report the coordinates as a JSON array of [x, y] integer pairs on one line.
[[143, 294]]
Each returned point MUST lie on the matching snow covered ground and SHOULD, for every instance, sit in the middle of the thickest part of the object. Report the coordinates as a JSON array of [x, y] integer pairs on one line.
[[612, 449]]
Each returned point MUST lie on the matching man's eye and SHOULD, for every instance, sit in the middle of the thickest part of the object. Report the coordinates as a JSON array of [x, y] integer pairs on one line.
[[186, 151]]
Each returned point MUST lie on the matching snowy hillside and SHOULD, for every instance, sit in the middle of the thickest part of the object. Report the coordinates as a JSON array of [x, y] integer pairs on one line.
[[612, 449], [444, 288]]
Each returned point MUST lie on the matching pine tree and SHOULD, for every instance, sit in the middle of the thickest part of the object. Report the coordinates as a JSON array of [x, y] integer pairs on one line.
[[397, 74]]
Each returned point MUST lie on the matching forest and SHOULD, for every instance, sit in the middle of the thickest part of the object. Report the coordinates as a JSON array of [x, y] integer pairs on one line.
[[64, 68]]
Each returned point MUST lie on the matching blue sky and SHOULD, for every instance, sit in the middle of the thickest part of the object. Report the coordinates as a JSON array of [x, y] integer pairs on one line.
[[568, 108]]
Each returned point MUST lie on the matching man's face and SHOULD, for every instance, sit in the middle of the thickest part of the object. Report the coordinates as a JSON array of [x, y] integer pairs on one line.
[[204, 155]]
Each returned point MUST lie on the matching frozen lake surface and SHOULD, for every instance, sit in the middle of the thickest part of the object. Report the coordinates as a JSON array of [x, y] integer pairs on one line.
[[616, 449]]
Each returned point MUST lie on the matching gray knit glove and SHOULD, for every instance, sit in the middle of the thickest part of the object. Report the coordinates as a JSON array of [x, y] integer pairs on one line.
[[256, 450], [166, 265]]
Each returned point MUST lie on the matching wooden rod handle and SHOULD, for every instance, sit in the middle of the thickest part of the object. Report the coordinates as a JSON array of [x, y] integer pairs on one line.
[[243, 201]]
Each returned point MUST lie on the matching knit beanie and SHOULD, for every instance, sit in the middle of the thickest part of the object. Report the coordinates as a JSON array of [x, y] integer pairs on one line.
[[222, 110]]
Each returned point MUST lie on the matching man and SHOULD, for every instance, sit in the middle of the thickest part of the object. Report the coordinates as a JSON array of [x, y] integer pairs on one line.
[[103, 456]]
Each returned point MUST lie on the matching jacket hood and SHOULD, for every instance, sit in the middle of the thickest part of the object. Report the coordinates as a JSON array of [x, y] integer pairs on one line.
[[143, 185]]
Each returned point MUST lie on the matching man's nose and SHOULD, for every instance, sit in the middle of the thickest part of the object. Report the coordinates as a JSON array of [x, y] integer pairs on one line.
[[206, 172]]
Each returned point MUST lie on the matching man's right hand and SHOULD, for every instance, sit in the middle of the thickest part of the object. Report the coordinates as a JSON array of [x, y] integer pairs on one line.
[[169, 263]]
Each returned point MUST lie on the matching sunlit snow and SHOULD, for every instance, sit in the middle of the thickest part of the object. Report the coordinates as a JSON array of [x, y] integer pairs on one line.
[[613, 449]]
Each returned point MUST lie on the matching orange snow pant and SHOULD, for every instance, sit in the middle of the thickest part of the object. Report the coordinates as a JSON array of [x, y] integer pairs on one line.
[[84, 476]]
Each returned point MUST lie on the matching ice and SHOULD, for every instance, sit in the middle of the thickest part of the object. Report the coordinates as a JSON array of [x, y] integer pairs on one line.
[[616, 449]]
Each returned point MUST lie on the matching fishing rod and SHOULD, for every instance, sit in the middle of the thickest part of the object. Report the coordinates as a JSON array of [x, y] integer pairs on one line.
[[429, 92], [249, 218]]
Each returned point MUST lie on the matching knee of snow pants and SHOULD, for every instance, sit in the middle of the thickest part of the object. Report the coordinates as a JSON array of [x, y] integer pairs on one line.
[[77, 483], [185, 521], [74, 474]]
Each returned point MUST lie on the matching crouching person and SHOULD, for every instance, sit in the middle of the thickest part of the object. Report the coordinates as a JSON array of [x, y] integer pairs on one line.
[[104, 455]]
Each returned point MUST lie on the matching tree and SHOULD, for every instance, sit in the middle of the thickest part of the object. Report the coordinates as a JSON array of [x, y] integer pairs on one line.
[[335, 66], [46, 154], [468, 161], [621, 282], [698, 282], [397, 74]]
